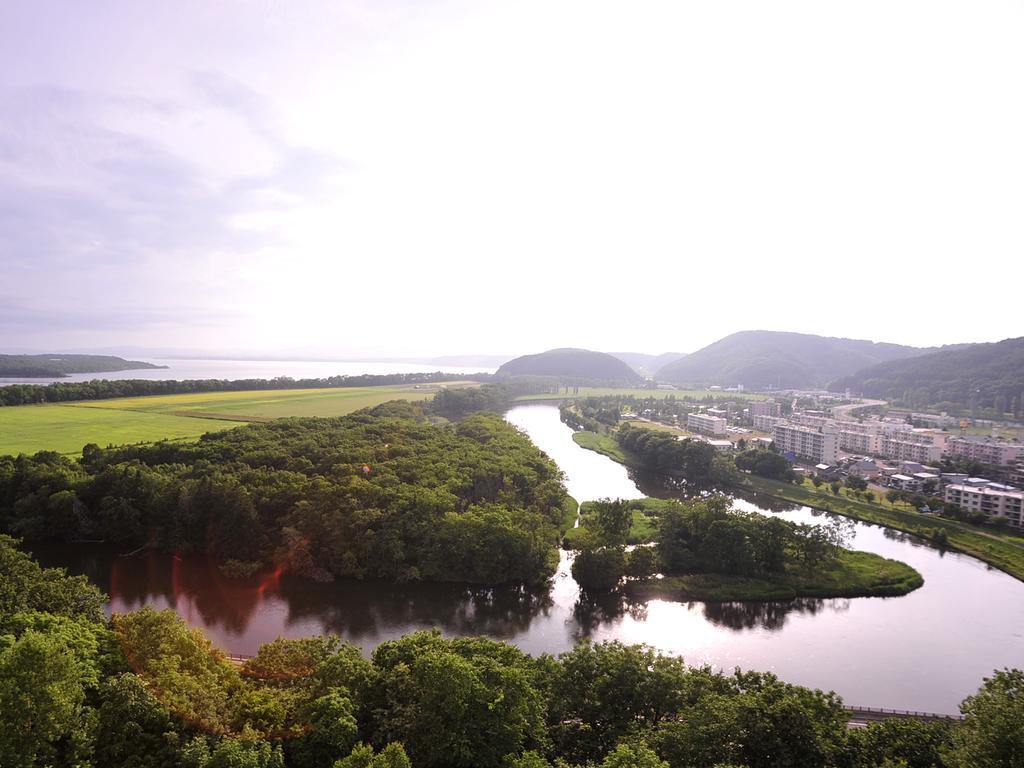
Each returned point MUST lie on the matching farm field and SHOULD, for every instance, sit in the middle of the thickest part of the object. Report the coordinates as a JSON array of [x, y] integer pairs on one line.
[[66, 427], [572, 393]]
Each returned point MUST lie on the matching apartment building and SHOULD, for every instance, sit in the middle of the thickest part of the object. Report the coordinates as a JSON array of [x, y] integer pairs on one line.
[[764, 408], [766, 423], [817, 446], [809, 419], [705, 424], [922, 445], [855, 441], [992, 500], [985, 450]]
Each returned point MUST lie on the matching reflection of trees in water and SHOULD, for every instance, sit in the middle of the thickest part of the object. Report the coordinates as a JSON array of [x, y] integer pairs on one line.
[[589, 613], [768, 615], [767, 502], [365, 608]]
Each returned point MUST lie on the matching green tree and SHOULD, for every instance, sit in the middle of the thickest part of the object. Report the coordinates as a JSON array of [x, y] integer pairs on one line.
[[362, 756], [992, 734], [41, 704], [637, 755]]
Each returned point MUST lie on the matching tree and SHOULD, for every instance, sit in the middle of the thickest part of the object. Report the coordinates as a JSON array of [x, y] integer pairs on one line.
[[637, 755], [41, 704], [362, 756], [992, 734], [599, 570]]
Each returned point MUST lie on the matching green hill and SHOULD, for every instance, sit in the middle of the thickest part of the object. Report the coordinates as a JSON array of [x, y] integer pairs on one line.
[[973, 377], [53, 365], [778, 360], [577, 364]]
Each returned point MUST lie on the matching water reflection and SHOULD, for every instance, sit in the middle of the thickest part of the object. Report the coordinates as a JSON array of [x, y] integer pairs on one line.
[[770, 616]]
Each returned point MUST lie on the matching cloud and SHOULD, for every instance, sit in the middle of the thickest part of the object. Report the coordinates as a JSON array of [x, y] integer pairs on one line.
[[102, 204]]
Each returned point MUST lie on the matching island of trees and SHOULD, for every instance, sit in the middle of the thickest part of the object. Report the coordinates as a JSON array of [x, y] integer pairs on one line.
[[78, 690], [379, 493], [702, 549]]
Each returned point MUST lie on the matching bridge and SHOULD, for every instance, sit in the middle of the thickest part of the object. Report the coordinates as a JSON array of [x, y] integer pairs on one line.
[[861, 716]]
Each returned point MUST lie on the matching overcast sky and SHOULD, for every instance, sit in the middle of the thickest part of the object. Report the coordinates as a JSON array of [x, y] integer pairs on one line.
[[429, 177]]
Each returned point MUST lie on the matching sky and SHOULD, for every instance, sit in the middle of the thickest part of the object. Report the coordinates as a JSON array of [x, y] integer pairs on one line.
[[417, 178]]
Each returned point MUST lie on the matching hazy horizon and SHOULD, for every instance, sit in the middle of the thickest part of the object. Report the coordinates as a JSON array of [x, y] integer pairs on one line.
[[394, 179]]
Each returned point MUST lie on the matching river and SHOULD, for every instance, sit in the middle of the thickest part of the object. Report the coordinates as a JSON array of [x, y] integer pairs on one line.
[[924, 651]]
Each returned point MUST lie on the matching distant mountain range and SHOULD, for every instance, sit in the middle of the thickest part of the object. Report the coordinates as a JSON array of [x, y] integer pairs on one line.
[[572, 364], [647, 365], [778, 360], [54, 365], [987, 376]]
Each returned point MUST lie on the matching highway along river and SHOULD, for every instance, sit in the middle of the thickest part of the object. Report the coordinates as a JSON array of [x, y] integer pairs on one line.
[[924, 651]]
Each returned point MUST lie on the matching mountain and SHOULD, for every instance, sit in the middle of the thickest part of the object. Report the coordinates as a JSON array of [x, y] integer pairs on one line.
[[778, 360], [647, 365], [54, 365], [571, 364], [989, 376]]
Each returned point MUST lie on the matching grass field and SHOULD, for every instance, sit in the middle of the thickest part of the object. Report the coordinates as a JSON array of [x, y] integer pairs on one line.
[[638, 392], [852, 574], [66, 427]]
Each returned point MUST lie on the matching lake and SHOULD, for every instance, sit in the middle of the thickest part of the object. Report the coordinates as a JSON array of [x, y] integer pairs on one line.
[[254, 369], [924, 651]]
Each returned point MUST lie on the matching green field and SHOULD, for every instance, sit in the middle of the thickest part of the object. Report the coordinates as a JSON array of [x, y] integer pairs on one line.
[[639, 392], [66, 427]]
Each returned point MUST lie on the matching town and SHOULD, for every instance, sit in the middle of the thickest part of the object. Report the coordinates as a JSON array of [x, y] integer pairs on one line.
[[835, 438]]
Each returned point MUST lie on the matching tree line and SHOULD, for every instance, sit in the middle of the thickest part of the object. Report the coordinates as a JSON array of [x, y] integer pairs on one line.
[[142, 690], [102, 389], [378, 493]]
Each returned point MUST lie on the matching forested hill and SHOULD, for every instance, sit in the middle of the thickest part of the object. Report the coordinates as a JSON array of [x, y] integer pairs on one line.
[[982, 376], [647, 365], [778, 360], [571, 364], [378, 493], [46, 366]]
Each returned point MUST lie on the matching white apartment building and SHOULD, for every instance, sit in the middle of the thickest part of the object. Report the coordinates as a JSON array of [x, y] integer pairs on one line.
[[764, 408], [986, 450], [867, 443], [921, 445], [809, 420], [818, 446], [707, 425], [766, 423], [992, 502]]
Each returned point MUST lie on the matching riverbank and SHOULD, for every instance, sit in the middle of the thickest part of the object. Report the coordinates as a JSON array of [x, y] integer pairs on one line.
[[851, 574], [989, 547]]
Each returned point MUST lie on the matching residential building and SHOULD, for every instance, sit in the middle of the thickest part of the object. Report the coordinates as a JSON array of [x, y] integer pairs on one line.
[[764, 408], [921, 445], [810, 419], [818, 446], [707, 425], [721, 445], [856, 441], [720, 413], [985, 450], [992, 500], [766, 423], [905, 483]]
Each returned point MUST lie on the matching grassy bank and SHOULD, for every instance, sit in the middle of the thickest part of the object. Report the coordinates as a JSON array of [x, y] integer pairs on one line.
[[852, 574], [605, 445], [998, 550], [642, 530]]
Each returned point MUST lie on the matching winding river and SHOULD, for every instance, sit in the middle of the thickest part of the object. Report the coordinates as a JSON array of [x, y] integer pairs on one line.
[[924, 651]]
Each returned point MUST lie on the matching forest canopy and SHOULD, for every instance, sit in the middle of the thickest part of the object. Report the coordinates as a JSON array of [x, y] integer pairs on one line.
[[378, 493]]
